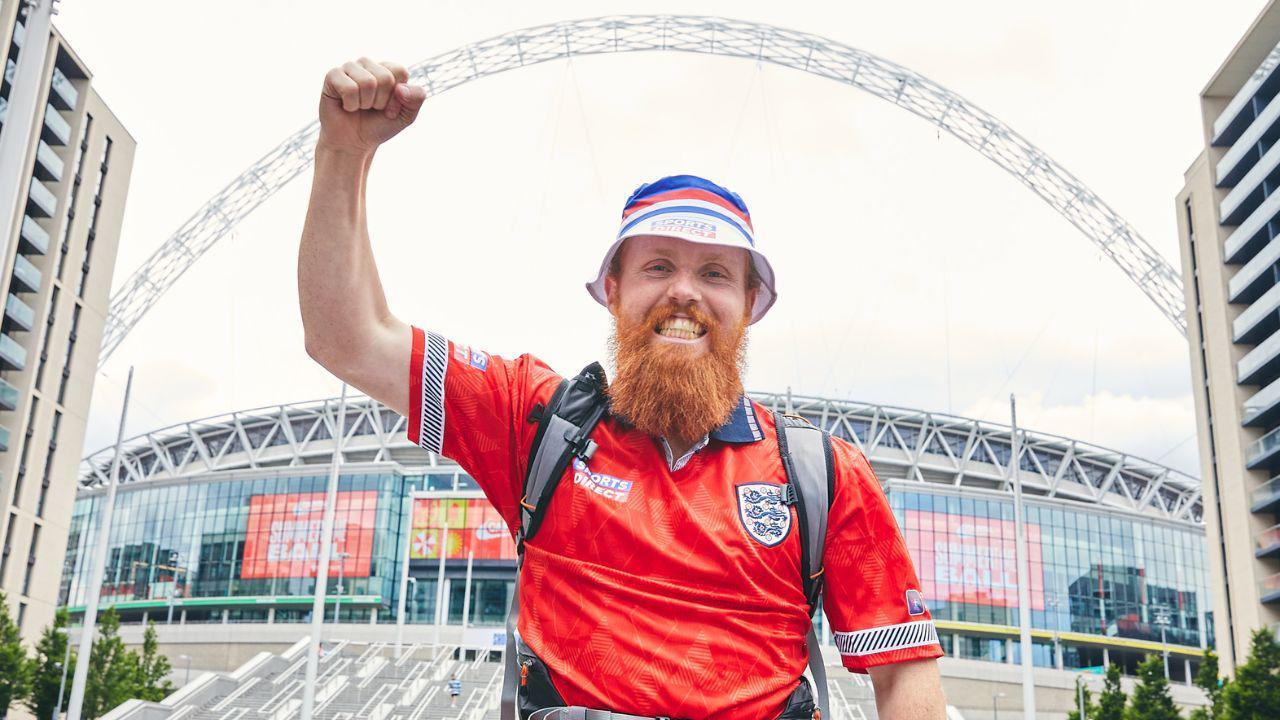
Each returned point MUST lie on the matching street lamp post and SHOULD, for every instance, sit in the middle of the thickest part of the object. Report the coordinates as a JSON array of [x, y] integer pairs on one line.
[[995, 710], [1162, 619], [66, 661], [174, 557], [186, 681], [337, 597]]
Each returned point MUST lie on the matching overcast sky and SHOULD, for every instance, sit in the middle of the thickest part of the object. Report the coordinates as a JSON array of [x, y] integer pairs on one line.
[[912, 271]]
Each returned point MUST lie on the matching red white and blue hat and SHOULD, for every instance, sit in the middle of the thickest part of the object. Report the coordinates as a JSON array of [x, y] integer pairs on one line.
[[687, 207]]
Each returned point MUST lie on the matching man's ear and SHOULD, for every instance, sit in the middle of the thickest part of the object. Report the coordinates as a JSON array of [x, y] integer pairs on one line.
[[611, 293], [751, 301]]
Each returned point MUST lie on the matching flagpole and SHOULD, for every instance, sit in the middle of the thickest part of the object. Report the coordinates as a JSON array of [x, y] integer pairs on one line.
[[1024, 589], [97, 548], [322, 563], [442, 550]]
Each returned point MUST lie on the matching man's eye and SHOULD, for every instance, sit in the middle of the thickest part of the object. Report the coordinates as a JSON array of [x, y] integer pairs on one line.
[[717, 275], [659, 267]]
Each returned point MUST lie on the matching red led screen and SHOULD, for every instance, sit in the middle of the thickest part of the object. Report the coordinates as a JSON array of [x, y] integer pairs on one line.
[[283, 537], [972, 559]]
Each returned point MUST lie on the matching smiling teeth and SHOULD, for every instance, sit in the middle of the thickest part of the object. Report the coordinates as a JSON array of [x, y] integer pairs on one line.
[[681, 328]]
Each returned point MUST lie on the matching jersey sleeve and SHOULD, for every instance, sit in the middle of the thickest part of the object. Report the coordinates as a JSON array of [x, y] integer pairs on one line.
[[472, 407], [872, 596]]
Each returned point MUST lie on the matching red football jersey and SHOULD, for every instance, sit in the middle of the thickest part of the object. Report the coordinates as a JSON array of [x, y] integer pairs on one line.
[[671, 593]]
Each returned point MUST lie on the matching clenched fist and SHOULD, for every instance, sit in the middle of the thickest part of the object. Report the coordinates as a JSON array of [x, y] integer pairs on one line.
[[365, 103]]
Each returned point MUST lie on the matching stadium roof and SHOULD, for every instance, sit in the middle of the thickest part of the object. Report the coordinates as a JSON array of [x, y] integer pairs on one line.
[[902, 444]]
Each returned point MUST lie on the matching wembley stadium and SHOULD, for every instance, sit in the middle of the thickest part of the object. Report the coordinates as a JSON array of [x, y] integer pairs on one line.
[[216, 524]]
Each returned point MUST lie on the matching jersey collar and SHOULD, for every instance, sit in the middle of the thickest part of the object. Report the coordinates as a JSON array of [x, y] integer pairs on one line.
[[742, 426]]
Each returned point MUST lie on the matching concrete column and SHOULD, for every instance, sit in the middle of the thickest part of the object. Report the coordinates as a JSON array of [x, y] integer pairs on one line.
[[271, 616]]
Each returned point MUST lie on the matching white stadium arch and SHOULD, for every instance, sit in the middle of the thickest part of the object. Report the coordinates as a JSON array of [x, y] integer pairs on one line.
[[694, 34]]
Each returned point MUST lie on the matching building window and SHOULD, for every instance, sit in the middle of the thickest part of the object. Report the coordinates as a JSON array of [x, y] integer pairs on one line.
[[22, 614], [8, 545], [31, 560], [81, 150], [22, 456], [48, 334], [71, 346], [93, 223]]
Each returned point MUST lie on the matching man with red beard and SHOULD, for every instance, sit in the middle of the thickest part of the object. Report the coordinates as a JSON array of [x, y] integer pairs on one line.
[[648, 592]]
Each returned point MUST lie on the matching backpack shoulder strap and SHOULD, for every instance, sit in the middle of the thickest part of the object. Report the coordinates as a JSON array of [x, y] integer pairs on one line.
[[564, 427], [810, 469]]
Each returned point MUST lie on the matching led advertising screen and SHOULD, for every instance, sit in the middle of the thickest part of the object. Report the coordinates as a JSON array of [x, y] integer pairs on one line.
[[283, 536], [973, 559], [474, 527]]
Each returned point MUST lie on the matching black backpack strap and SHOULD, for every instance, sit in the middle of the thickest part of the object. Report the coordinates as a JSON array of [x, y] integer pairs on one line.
[[811, 479], [564, 429]]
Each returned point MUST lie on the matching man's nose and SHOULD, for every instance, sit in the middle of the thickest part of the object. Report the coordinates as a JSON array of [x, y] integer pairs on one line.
[[683, 288]]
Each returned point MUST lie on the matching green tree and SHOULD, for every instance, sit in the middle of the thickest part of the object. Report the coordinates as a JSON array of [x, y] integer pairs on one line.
[[1111, 701], [113, 669], [1090, 707], [153, 668], [14, 676], [1207, 679], [1255, 692], [1151, 699], [46, 669]]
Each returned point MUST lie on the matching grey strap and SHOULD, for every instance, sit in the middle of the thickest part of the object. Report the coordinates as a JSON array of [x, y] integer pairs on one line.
[[819, 669], [511, 673], [542, 470], [809, 457]]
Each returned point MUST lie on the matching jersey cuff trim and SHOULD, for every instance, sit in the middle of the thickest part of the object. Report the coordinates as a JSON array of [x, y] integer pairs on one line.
[[887, 638], [435, 363]]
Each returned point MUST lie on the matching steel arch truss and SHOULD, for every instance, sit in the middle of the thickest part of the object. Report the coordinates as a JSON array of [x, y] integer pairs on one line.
[[704, 35], [906, 445], [937, 449]]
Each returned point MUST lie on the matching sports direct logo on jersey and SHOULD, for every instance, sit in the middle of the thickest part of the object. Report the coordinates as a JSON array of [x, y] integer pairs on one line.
[[599, 483]]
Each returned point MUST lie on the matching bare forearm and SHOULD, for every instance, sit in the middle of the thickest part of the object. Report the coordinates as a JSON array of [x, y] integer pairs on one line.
[[909, 691], [339, 291]]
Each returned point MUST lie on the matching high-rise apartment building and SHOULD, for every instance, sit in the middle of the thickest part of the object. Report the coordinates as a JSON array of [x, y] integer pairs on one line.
[[1229, 229], [55, 281]]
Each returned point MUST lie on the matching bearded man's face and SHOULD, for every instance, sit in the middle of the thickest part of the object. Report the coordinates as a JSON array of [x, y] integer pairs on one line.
[[681, 311]]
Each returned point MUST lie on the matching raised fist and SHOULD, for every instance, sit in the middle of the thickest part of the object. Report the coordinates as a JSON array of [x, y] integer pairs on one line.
[[365, 103]]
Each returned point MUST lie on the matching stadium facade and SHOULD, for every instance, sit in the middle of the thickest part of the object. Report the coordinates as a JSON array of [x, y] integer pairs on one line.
[[217, 523]]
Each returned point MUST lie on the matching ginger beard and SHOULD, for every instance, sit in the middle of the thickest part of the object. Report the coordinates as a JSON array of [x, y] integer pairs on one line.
[[663, 389]]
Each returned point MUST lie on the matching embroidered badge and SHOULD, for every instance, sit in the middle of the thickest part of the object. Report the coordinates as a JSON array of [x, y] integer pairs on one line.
[[762, 513], [479, 360], [599, 483], [915, 603]]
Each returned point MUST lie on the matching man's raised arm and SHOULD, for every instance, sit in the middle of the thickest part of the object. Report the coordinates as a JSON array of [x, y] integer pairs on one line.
[[348, 327]]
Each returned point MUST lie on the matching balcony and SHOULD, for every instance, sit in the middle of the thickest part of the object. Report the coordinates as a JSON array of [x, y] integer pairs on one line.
[[18, 313], [26, 277], [4, 108], [48, 164], [10, 69], [34, 239], [1255, 277], [8, 396], [12, 355], [41, 202], [1252, 189], [1256, 91], [64, 95], [1261, 451], [55, 130], [19, 34], [1244, 152], [1269, 589], [1266, 498], [1263, 407], [1260, 320], [1268, 542], [4, 438]]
